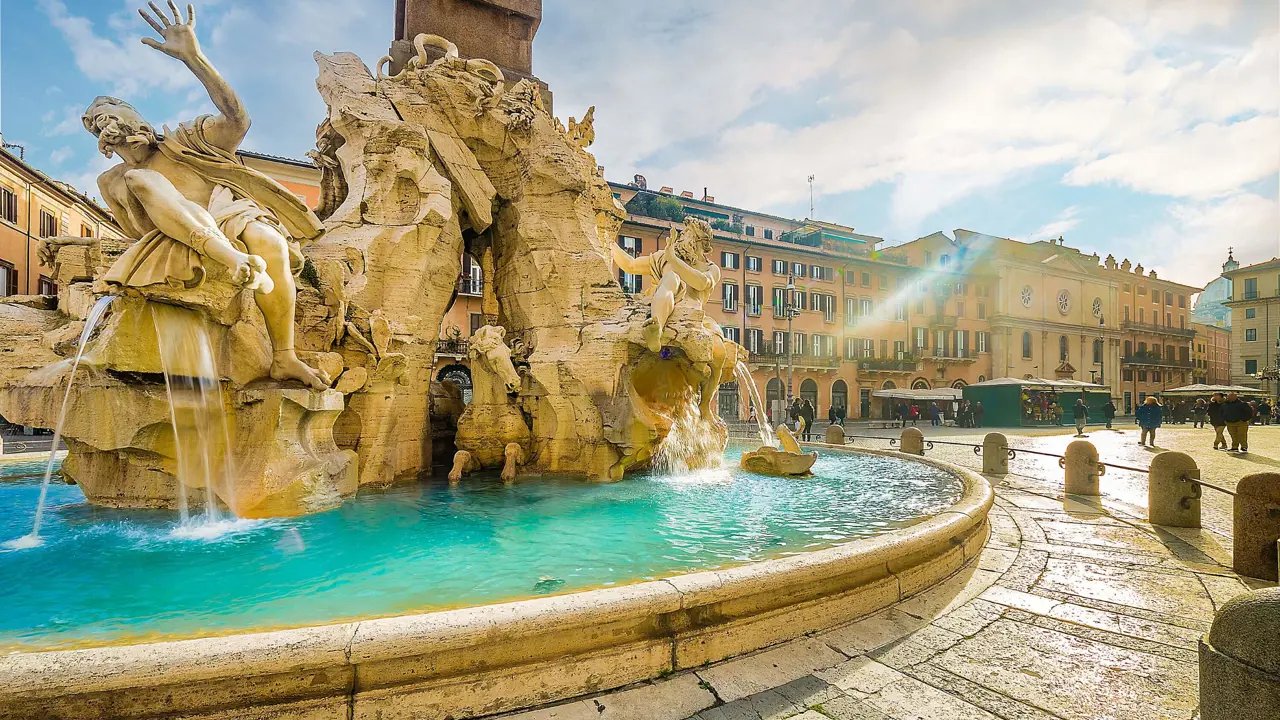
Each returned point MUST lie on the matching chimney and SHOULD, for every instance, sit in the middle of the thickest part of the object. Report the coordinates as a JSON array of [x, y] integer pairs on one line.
[[708, 198], [686, 194], [666, 189]]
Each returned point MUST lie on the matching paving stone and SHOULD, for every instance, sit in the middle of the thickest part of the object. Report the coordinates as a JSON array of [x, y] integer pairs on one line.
[[1026, 570], [767, 705], [848, 708], [1222, 589], [973, 693], [752, 674], [873, 631], [1119, 639], [861, 676], [910, 699], [996, 559], [916, 648], [1073, 677], [1159, 592], [808, 691], [1037, 604], [1127, 625], [970, 618], [1101, 535], [1198, 624]]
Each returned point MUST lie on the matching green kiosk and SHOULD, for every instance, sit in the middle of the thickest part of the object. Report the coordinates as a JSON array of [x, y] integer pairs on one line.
[[1033, 402]]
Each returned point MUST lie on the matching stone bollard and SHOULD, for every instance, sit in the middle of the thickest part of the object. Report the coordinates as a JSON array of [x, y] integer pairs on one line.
[[1256, 526], [912, 441], [834, 435], [995, 454], [1240, 659], [1172, 499], [1082, 468]]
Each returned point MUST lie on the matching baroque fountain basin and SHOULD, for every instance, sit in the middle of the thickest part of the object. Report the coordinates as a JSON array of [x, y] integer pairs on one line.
[[783, 557]]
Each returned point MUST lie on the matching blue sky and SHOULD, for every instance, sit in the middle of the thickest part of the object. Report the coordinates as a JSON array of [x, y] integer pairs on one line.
[[1143, 128]]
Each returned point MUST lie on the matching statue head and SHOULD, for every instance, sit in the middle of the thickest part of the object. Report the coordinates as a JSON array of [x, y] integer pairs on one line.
[[694, 243], [489, 349], [117, 124]]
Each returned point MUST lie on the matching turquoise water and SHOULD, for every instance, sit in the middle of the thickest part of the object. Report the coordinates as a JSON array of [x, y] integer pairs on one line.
[[105, 576]]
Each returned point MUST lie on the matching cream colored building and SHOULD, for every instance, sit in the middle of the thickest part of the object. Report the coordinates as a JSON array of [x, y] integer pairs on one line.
[[1255, 323]]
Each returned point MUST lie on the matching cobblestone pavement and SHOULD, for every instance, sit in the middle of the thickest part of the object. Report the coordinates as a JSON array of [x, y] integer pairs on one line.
[[1077, 608]]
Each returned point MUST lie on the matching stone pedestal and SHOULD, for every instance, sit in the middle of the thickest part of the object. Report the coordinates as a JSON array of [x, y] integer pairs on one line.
[[1240, 660], [1172, 499], [1080, 461], [1256, 526], [912, 441], [995, 454]]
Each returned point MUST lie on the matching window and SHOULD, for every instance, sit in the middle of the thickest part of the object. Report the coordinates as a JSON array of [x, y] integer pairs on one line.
[[755, 299], [1062, 348], [920, 307], [1142, 347], [8, 279], [868, 348], [1155, 376], [818, 272], [867, 309], [755, 340], [1168, 319], [798, 344], [768, 234], [1142, 376], [900, 311], [48, 224], [779, 302], [779, 267], [753, 263], [797, 269], [634, 247], [8, 204], [884, 348], [732, 333], [899, 350], [944, 261], [729, 296], [940, 343], [884, 282], [1128, 348], [1168, 298], [1126, 313], [46, 286], [477, 321], [982, 311], [1250, 288], [729, 260], [1182, 301], [921, 339], [1097, 352], [1250, 367], [850, 311], [829, 308], [928, 258], [780, 344], [866, 279], [850, 348], [801, 300], [86, 231], [1250, 334], [983, 341], [1127, 375], [1026, 345], [962, 288], [751, 231], [1250, 313], [959, 309], [1140, 317]]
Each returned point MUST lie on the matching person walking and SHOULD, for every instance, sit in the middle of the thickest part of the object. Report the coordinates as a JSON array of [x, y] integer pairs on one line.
[[1237, 413], [1081, 412], [1109, 412], [1200, 411], [1150, 415], [935, 418], [914, 414], [977, 414], [841, 414], [1264, 412], [808, 413], [833, 416], [1213, 411]]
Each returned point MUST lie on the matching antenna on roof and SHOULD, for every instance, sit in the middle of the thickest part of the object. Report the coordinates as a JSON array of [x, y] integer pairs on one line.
[[810, 197]]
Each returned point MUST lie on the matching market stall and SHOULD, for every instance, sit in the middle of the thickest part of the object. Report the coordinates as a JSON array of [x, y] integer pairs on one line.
[[1015, 402], [949, 398]]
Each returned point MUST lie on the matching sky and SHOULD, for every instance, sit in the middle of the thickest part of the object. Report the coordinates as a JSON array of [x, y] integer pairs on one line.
[[1147, 129]]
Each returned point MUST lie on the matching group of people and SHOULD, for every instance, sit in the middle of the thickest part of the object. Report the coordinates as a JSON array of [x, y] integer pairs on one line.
[[1227, 414], [1041, 406]]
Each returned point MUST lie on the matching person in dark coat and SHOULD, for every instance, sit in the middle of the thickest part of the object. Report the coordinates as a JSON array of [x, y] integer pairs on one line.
[[1149, 416], [977, 414], [1109, 412], [1081, 412], [809, 414], [1237, 413], [1213, 411]]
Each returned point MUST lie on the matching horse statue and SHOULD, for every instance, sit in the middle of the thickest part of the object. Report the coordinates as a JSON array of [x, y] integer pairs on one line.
[[492, 431]]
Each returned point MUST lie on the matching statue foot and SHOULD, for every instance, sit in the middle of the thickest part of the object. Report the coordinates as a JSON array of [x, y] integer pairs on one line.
[[285, 365], [248, 271], [651, 332], [461, 462], [514, 456]]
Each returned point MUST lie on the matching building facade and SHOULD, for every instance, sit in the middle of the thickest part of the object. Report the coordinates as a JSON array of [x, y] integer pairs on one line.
[[1255, 323], [1212, 354], [33, 206]]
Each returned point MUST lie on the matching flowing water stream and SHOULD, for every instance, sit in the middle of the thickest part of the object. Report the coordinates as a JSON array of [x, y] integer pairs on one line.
[[767, 436], [95, 314]]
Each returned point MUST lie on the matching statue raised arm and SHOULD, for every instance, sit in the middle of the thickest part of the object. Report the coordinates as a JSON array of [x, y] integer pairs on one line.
[[187, 198]]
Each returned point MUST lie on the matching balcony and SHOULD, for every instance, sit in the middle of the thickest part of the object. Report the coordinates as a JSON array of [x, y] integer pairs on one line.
[[1158, 329], [949, 356], [767, 356], [946, 321], [456, 348], [887, 366], [1156, 360], [468, 285]]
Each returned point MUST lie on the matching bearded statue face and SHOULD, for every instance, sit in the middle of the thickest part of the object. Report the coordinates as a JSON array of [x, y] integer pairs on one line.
[[117, 124], [694, 244]]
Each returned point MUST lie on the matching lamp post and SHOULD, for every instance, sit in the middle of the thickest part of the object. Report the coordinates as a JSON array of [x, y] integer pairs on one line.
[[1102, 356], [789, 307]]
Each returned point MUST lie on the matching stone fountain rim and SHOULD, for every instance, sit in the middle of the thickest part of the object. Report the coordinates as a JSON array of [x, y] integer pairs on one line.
[[487, 659]]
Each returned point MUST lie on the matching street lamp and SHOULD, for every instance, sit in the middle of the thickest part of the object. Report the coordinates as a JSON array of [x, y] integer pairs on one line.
[[789, 307], [1102, 356]]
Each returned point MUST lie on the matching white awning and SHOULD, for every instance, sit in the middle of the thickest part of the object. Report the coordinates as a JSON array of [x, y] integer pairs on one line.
[[952, 394]]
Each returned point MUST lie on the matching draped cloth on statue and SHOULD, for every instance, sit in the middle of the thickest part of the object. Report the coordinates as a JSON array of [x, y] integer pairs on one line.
[[241, 195]]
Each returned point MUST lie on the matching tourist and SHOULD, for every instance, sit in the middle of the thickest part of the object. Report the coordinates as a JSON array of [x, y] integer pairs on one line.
[[833, 415], [751, 415], [1200, 410], [1264, 412], [1213, 410], [914, 414], [977, 414], [1237, 413], [1081, 412], [808, 414], [1109, 412], [841, 414], [1149, 416], [935, 415]]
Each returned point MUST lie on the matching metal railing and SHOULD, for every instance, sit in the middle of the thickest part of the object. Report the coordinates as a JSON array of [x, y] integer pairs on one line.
[[468, 285], [1156, 328], [1139, 358], [452, 347], [887, 365]]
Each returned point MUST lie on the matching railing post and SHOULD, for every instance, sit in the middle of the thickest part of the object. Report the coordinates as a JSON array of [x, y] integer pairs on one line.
[[834, 435], [912, 441], [1080, 462], [995, 454], [1256, 526], [1172, 498]]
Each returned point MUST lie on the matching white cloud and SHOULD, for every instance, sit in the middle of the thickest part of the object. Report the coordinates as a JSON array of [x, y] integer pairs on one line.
[[1057, 227], [61, 155], [62, 122], [1191, 241]]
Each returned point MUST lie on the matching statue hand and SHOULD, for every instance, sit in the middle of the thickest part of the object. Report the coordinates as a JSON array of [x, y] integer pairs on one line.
[[179, 38]]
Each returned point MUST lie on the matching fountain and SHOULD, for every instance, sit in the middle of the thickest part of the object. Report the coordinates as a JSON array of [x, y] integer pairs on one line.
[[264, 361]]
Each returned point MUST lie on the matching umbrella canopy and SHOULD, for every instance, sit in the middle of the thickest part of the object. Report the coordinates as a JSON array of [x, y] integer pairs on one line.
[[1202, 389], [952, 394]]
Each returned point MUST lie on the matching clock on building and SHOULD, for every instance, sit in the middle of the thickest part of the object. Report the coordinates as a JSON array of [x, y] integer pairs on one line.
[[1026, 296], [1097, 307], [1064, 302]]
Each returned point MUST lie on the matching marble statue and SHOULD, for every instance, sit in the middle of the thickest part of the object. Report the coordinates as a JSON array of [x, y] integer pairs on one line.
[[786, 459], [583, 134], [681, 268], [187, 200], [491, 431]]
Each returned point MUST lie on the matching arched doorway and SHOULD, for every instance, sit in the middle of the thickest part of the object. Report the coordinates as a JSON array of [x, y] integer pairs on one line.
[[888, 385], [959, 384], [809, 391], [773, 401], [728, 403], [840, 395], [920, 384], [982, 378], [459, 375]]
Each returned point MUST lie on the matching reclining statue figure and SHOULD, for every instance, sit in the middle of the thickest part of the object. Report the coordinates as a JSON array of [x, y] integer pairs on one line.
[[187, 198], [679, 269]]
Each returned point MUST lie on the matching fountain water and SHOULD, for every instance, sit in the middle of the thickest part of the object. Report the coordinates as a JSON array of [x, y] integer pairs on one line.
[[200, 431], [95, 314], [690, 444], [767, 437]]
